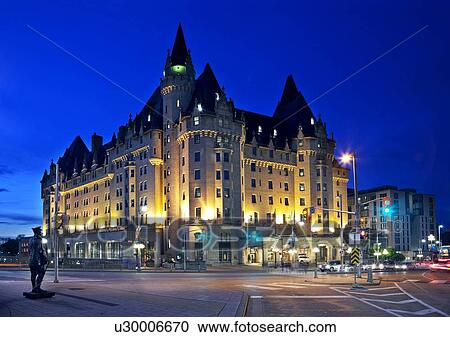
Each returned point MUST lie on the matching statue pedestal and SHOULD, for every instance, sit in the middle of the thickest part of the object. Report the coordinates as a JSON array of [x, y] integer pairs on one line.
[[35, 296]]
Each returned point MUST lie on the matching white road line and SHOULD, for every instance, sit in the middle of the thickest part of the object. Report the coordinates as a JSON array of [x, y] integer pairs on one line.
[[386, 301], [418, 313], [382, 295], [422, 302], [302, 296], [385, 288], [260, 287], [367, 302], [438, 281], [406, 281], [296, 286]]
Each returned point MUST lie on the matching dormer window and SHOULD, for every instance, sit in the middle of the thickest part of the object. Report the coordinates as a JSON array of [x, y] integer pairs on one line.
[[199, 107], [312, 121], [196, 120], [275, 132], [259, 129]]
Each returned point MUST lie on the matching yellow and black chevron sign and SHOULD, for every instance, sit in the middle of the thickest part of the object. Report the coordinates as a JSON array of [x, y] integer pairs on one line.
[[354, 256]]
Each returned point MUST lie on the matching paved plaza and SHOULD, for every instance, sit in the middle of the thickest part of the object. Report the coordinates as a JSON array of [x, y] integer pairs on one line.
[[226, 292]]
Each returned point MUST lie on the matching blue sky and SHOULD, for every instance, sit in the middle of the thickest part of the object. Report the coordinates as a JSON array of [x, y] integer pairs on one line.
[[394, 113]]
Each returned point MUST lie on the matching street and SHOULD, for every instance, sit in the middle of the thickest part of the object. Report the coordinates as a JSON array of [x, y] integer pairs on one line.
[[234, 292]]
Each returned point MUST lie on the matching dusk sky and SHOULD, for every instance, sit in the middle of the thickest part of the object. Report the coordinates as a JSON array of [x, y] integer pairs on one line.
[[393, 110]]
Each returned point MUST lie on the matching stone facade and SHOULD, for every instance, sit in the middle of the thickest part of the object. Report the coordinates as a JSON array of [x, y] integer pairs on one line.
[[192, 175]]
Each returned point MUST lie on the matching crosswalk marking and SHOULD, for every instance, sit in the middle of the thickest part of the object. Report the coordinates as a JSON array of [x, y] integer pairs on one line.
[[303, 296], [294, 286], [260, 287], [385, 288], [417, 313], [383, 295], [438, 281], [386, 301]]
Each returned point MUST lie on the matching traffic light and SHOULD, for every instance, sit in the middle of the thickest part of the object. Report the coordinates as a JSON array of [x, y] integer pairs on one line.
[[387, 205], [305, 213], [363, 234]]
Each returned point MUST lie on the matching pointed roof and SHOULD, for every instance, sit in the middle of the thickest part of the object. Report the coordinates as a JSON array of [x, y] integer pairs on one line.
[[179, 49], [206, 90], [293, 110], [290, 91]]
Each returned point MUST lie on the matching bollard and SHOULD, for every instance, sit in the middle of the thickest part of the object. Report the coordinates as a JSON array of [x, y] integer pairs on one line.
[[369, 275]]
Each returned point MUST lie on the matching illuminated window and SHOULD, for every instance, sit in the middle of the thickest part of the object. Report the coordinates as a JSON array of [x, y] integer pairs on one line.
[[259, 128], [312, 121], [196, 120], [178, 103], [198, 212], [197, 192], [199, 107]]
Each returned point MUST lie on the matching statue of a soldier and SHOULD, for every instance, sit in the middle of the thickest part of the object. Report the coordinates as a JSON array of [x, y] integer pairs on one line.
[[38, 260]]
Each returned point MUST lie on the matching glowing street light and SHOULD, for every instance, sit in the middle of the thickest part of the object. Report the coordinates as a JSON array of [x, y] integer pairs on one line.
[[439, 237], [346, 158]]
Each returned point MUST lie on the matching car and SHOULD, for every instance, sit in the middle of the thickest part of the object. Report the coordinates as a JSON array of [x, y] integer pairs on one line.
[[401, 266], [376, 266], [333, 265], [389, 265]]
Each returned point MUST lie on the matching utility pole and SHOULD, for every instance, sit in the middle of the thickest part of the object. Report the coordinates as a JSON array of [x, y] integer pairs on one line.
[[55, 231]]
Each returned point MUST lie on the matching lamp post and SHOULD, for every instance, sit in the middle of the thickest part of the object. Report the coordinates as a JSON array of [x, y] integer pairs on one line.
[[55, 224], [439, 237], [346, 158], [341, 235], [315, 251]]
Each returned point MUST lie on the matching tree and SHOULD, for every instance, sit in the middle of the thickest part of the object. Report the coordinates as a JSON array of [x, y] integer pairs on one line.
[[10, 247]]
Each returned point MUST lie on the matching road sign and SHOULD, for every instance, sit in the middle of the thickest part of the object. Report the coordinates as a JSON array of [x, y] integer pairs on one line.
[[355, 256]]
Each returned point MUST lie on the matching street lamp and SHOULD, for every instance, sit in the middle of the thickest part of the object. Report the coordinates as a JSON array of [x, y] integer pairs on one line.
[[345, 159], [316, 251], [339, 197], [439, 237]]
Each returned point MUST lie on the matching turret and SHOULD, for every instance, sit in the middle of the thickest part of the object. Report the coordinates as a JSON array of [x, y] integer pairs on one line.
[[178, 82]]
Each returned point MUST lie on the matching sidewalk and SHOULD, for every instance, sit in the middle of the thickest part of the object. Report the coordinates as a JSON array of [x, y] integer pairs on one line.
[[336, 279]]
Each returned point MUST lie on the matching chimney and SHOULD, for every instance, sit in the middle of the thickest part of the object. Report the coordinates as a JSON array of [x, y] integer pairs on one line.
[[96, 142]]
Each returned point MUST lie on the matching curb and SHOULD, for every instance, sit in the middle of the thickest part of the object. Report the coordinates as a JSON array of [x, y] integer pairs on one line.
[[243, 306]]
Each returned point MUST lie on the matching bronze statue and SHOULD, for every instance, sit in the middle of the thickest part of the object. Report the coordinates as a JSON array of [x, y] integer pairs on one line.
[[38, 264]]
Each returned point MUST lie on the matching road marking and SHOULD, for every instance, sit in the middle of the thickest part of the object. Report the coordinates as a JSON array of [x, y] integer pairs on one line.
[[406, 281], [296, 286], [260, 287], [302, 296], [382, 295], [367, 302], [421, 302], [419, 312], [385, 288], [438, 281], [386, 301]]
